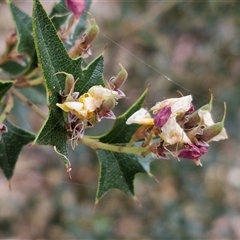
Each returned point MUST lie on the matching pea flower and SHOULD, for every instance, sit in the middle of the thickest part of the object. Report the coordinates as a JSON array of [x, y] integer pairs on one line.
[[177, 129]]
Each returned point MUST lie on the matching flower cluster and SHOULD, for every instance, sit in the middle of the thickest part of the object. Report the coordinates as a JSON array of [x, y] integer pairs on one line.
[[88, 109], [177, 129]]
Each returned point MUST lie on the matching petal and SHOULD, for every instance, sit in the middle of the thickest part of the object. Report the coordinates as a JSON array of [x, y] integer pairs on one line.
[[101, 92], [192, 151], [162, 116], [206, 118], [221, 136], [70, 106], [178, 105], [141, 117], [172, 133]]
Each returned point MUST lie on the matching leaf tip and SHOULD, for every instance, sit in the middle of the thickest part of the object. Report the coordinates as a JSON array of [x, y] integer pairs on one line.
[[137, 201], [95, 205], [152, 176], [9, 185]]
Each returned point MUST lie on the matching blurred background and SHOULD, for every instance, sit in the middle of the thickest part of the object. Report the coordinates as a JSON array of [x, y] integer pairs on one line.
[[197, 46]]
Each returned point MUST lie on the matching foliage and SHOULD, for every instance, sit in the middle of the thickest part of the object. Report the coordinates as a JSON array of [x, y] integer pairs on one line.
[[49, 51]]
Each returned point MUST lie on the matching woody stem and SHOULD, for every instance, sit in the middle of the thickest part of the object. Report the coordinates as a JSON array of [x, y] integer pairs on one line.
[[25, 100]]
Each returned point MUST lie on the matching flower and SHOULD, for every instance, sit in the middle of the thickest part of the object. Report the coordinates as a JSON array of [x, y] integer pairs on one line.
[[177, 129], [88, 103], [77, 7]]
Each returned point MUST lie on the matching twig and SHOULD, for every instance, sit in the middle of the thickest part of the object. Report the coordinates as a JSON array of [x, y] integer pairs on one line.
[[25, 100]]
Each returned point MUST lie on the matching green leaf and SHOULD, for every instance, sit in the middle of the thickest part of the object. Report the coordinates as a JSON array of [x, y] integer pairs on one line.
[[10, 147], [15, 68], [24, 28], [117, 171], [120, 132], [4, 87], [53, 59]]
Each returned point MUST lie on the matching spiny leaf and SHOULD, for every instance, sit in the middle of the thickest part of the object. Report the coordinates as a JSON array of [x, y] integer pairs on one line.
[[54, 58], [24, 28], [4, 87], [117, 171], [11, 145]]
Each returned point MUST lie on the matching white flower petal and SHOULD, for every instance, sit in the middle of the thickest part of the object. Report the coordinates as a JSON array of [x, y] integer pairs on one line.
[[102, 93], [178, 105], [172, 133], [141, 117], [221, 136], [206, 118]]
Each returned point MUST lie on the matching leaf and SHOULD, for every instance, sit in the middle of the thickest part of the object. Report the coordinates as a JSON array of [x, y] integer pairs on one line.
[[10, 147], [4, 87], [117, 170], [120, 132], [15, 68], [53, 59], [24, 28]]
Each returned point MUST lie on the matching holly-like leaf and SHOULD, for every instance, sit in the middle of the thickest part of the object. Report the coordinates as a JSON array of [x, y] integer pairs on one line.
[[118, 169], [11, 145], [24, 28], [4, 87], [53, 59]]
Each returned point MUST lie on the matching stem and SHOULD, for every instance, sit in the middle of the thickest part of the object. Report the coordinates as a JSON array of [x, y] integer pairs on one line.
[[8, 105], [29, 83], [25, 100], [94, 144], [32, 73]]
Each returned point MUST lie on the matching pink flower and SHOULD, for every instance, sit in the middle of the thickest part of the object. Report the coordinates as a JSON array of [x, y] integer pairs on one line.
[[77, 7]]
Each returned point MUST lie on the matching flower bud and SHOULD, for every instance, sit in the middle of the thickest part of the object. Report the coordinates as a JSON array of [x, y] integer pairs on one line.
[[69, 87], [120, 79], [92, 33], [214, 132], [108, 104]]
